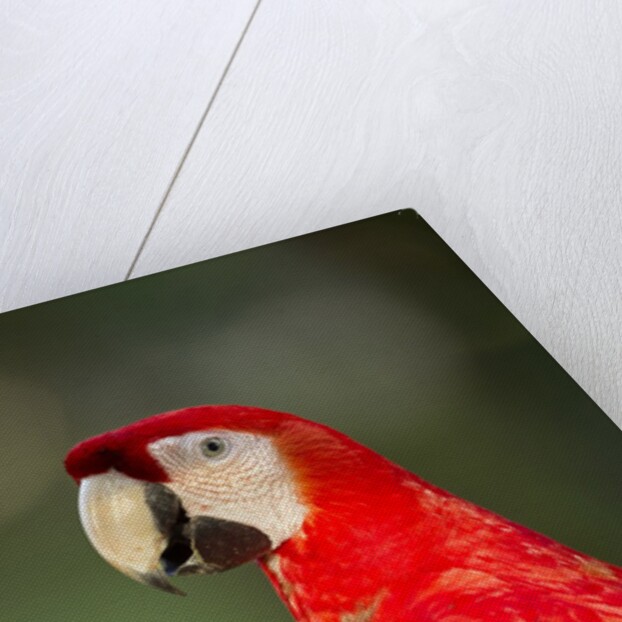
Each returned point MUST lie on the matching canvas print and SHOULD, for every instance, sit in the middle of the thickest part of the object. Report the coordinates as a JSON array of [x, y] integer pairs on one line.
[[346, 426]]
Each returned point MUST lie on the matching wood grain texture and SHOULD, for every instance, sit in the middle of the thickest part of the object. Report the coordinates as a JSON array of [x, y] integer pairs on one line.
[[98, 103], [500, 122]]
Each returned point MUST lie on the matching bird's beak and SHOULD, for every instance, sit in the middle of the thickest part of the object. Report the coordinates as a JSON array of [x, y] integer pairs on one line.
[[142, 530]]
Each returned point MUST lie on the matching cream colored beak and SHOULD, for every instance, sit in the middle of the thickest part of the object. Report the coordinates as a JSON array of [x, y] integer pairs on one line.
[[122, 527]]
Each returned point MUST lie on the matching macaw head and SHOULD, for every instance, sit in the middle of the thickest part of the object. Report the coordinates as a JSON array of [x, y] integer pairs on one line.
[[204, 489]]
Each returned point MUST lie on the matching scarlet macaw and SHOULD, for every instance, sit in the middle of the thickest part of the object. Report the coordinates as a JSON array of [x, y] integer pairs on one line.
[[343, 534]]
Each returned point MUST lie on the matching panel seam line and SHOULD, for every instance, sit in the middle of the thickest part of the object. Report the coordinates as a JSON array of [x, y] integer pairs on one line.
[[193, 139]]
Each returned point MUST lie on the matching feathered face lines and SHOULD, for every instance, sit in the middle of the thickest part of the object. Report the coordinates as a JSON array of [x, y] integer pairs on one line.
[[234, 476]]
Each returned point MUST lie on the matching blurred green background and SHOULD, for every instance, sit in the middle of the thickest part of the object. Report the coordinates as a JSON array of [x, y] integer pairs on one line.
[[375, 328]]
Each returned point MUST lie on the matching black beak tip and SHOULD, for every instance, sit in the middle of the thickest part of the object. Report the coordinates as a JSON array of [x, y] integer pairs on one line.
[[160, 582]]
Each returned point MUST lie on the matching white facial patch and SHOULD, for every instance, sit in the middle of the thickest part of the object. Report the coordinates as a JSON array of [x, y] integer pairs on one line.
[[247, 483]]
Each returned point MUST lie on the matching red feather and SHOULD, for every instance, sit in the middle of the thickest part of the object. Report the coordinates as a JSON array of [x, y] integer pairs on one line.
[[380, 544]]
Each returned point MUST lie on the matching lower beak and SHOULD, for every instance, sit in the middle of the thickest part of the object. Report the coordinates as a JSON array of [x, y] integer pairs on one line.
[[142, 530]]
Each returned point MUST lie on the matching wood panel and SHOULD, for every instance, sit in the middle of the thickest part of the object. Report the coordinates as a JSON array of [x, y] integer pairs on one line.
[[500, 122], [98, 103]]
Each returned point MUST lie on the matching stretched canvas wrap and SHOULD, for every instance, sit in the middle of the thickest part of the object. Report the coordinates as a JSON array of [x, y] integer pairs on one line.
[[376, 329]]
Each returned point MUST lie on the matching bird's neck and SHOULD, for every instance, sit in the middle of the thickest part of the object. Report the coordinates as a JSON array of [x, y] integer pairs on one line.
[[353, 549]]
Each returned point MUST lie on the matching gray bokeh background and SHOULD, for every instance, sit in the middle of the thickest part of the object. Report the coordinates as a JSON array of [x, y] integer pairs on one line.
[[375, 328]]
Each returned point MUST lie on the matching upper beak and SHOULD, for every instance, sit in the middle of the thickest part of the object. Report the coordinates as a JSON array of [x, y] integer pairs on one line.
[[142, 529], [123, 527]]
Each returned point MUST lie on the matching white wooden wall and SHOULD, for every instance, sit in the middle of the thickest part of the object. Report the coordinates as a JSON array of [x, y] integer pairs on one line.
[[141, 136]]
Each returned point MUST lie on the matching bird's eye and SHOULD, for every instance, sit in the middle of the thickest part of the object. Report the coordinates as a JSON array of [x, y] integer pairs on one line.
[[214, 447]]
